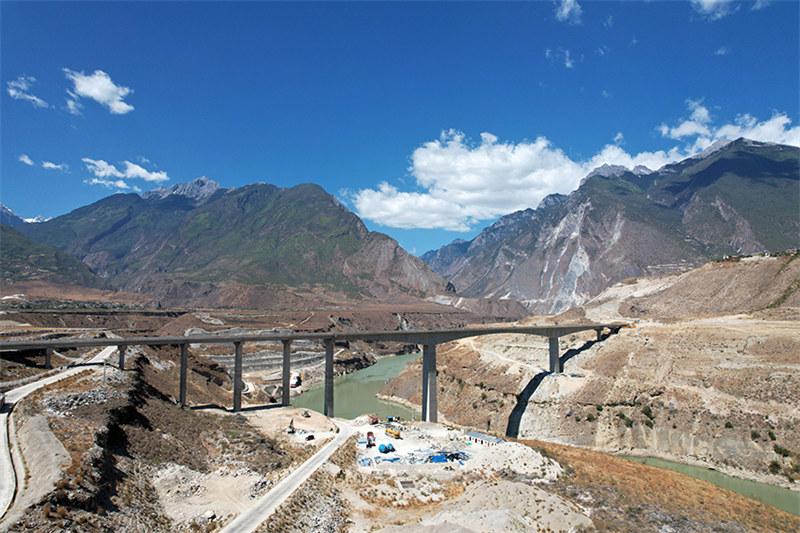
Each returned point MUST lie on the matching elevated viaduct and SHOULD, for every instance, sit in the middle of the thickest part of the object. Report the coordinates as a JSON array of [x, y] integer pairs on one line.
[[429, 339]]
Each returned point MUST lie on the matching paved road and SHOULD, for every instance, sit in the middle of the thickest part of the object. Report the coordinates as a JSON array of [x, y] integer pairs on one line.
[[8, 479], [249, 520]]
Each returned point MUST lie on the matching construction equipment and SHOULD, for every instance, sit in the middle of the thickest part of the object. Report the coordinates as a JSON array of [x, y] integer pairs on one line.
[[370, 439], [393, 433]]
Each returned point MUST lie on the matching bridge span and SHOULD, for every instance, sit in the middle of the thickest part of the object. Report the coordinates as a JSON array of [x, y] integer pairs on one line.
[[427, 338]]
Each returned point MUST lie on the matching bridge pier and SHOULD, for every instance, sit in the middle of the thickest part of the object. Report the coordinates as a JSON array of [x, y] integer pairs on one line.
[[599, 334], [237, 377], [184, 369], [556, 364], [430, 408], [328, 377], [121, 349], [287, 351], [48, 353]]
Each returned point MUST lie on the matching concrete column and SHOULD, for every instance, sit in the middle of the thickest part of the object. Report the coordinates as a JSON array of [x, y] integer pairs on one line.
[[184, 369], [121, 349], [556, 365], [430, 407], [287, 371], [48, 353], [237, 377], [328, 377], [599, 334]]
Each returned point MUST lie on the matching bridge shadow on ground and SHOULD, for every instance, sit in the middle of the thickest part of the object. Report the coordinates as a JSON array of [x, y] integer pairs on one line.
[[514, 419], [512, 430]]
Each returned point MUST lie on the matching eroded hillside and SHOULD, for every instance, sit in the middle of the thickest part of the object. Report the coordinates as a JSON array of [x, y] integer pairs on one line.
[[691, 381]]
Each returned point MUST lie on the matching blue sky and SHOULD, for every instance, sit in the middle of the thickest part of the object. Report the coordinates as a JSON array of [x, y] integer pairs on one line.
[[429, 120]]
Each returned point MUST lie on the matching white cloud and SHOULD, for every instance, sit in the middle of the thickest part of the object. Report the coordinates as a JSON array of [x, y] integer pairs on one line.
[[460, 182], [568, 11], [99, 87], [700, 130], [722, 51], [605, 94], [103, 170], [52, 166], [19, 90], [714, 9], [697, 124], [111, 184], [25, 159], [132, 170], [560, 55], [465, 182]]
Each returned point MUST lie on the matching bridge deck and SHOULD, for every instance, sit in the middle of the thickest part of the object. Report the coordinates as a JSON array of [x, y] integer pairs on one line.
[[427, 338]]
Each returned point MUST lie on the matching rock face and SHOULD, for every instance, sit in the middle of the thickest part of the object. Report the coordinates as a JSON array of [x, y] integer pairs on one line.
[[199, 244], [737, 198], [695, 380]]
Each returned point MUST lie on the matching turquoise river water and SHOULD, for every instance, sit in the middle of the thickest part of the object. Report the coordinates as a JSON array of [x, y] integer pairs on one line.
[[779, 497], [354, 393]]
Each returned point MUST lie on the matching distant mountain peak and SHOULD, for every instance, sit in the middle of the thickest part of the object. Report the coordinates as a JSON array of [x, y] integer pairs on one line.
[[608, 171], [7, 216], [551, 199], [716, 146], [198, 190]]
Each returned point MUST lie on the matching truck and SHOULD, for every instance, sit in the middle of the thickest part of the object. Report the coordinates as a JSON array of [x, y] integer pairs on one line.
[[393, 433]]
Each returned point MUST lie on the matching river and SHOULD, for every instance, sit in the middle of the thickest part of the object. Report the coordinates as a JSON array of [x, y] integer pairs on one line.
[[354, 393], [779, 497]]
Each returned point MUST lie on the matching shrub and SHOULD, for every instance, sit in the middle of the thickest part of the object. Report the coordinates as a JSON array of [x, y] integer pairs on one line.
[[647, 412], [780, 450], [774, 467], [628, 422], [598, 407], [755, 435], [648, 423], [728, 425], [771, 435], [590, 417]]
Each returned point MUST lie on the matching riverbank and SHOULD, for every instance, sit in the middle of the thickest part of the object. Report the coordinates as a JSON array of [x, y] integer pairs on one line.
[[782, 498]]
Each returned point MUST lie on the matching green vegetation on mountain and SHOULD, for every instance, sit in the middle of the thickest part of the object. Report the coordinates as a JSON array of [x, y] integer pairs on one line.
[[24, 260], [180, 245]]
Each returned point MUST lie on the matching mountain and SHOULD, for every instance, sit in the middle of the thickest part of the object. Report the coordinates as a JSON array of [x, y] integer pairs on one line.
[[200, 244], [739, 197], [24, 260], [9, 217]]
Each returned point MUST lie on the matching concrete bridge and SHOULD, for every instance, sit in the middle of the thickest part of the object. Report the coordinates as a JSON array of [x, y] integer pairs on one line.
[[427, 338]]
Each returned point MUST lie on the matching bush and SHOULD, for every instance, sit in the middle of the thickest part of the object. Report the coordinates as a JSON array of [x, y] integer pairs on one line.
[[755, 435], [728, 425], [774, 467], [648, 423], [628, 422], [598, 407], [590, 417], [780, 450], [648, 412], [771, 435]]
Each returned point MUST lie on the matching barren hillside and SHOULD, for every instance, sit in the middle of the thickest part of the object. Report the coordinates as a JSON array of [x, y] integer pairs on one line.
[[691, 382]]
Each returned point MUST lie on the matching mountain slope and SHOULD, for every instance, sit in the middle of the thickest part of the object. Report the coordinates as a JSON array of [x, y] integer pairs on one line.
[[743, 197], [198, 243], [24, 260]]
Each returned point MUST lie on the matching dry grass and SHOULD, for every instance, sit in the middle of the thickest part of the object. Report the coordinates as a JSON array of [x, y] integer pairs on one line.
[[636, 485]]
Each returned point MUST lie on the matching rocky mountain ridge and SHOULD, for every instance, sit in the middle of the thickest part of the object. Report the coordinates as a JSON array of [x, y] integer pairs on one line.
[[735, 198]]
